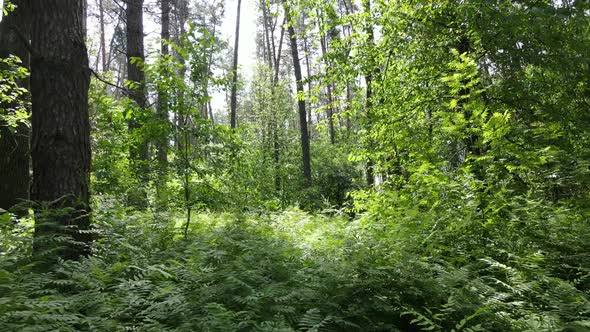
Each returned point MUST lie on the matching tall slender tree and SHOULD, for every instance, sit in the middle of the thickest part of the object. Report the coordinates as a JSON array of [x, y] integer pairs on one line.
[[305, 150], [234, 86], [162, 143], [14, 145], [60, 146], [103, 44], [138, 152], [370, 74]]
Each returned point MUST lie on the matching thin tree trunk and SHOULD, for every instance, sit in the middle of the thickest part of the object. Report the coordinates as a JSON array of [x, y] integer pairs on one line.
[[60, 125], [103, 45], [305, 150], [330, 108], [14, 146], [269, 56], [162, 144], [210, 108], [280, 50], [308, 68], [234, 87], [369, 76], [273, 62]]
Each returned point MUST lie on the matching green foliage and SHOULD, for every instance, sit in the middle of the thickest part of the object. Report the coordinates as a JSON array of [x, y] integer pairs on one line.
[[14, 108], [477, 123], [295, 271]]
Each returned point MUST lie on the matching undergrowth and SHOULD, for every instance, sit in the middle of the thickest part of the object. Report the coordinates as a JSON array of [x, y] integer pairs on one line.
[[292, 271]]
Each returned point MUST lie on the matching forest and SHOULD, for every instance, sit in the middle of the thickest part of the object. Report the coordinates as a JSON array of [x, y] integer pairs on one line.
[[295, 165]]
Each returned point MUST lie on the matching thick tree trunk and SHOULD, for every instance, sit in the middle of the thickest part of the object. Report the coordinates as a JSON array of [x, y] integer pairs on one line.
[[234, 86], [14, 146], [305, 154], [60, 126]]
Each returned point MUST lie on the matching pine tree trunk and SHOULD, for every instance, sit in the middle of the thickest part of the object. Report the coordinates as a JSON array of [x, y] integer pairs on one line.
[[305, 154], [369, 76], [103, 44], [234, 86], [330, 108], [162, 144], [308, 70], [14, 146], [60, 146], [138, 152]]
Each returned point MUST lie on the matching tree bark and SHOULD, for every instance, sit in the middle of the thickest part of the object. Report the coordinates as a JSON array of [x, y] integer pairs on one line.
[[60, 125], [103, 44], [234, 86], [369, 76], [330, 108], [14, 146], [138, 152], [308, 70], [162, 144], [305, 154]]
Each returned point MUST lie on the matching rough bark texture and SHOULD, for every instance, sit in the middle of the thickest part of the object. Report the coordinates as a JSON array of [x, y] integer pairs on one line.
[[138, 152], [305, 155], [14, 146], [60, 147], [134, 14], [234, 86]]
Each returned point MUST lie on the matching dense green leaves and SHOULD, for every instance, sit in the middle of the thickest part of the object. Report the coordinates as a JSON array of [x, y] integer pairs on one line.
[[474, 114]]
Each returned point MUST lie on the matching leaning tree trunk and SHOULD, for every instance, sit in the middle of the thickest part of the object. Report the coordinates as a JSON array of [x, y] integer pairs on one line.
[[305, 155], [60, 147], [14, 145], [234, 86]]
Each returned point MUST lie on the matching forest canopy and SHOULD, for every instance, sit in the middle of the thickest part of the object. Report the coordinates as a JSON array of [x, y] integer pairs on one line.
[[382, 165]]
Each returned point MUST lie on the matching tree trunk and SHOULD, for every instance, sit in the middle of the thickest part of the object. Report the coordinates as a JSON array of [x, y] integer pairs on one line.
[[60, 125], [270, 56], [14, 146], [138, 152], [369, 75], [84, 19], [162, 144], [305, 154], [308, 70], [234, 86], [103, 44], [330, 108]]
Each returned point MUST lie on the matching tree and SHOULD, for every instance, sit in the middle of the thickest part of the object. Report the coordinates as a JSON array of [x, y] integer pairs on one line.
[[305, 155], [138, 151], [14, 142], [370, 74], [60, 148], [162, 95], [103, 44], [234, 86]]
